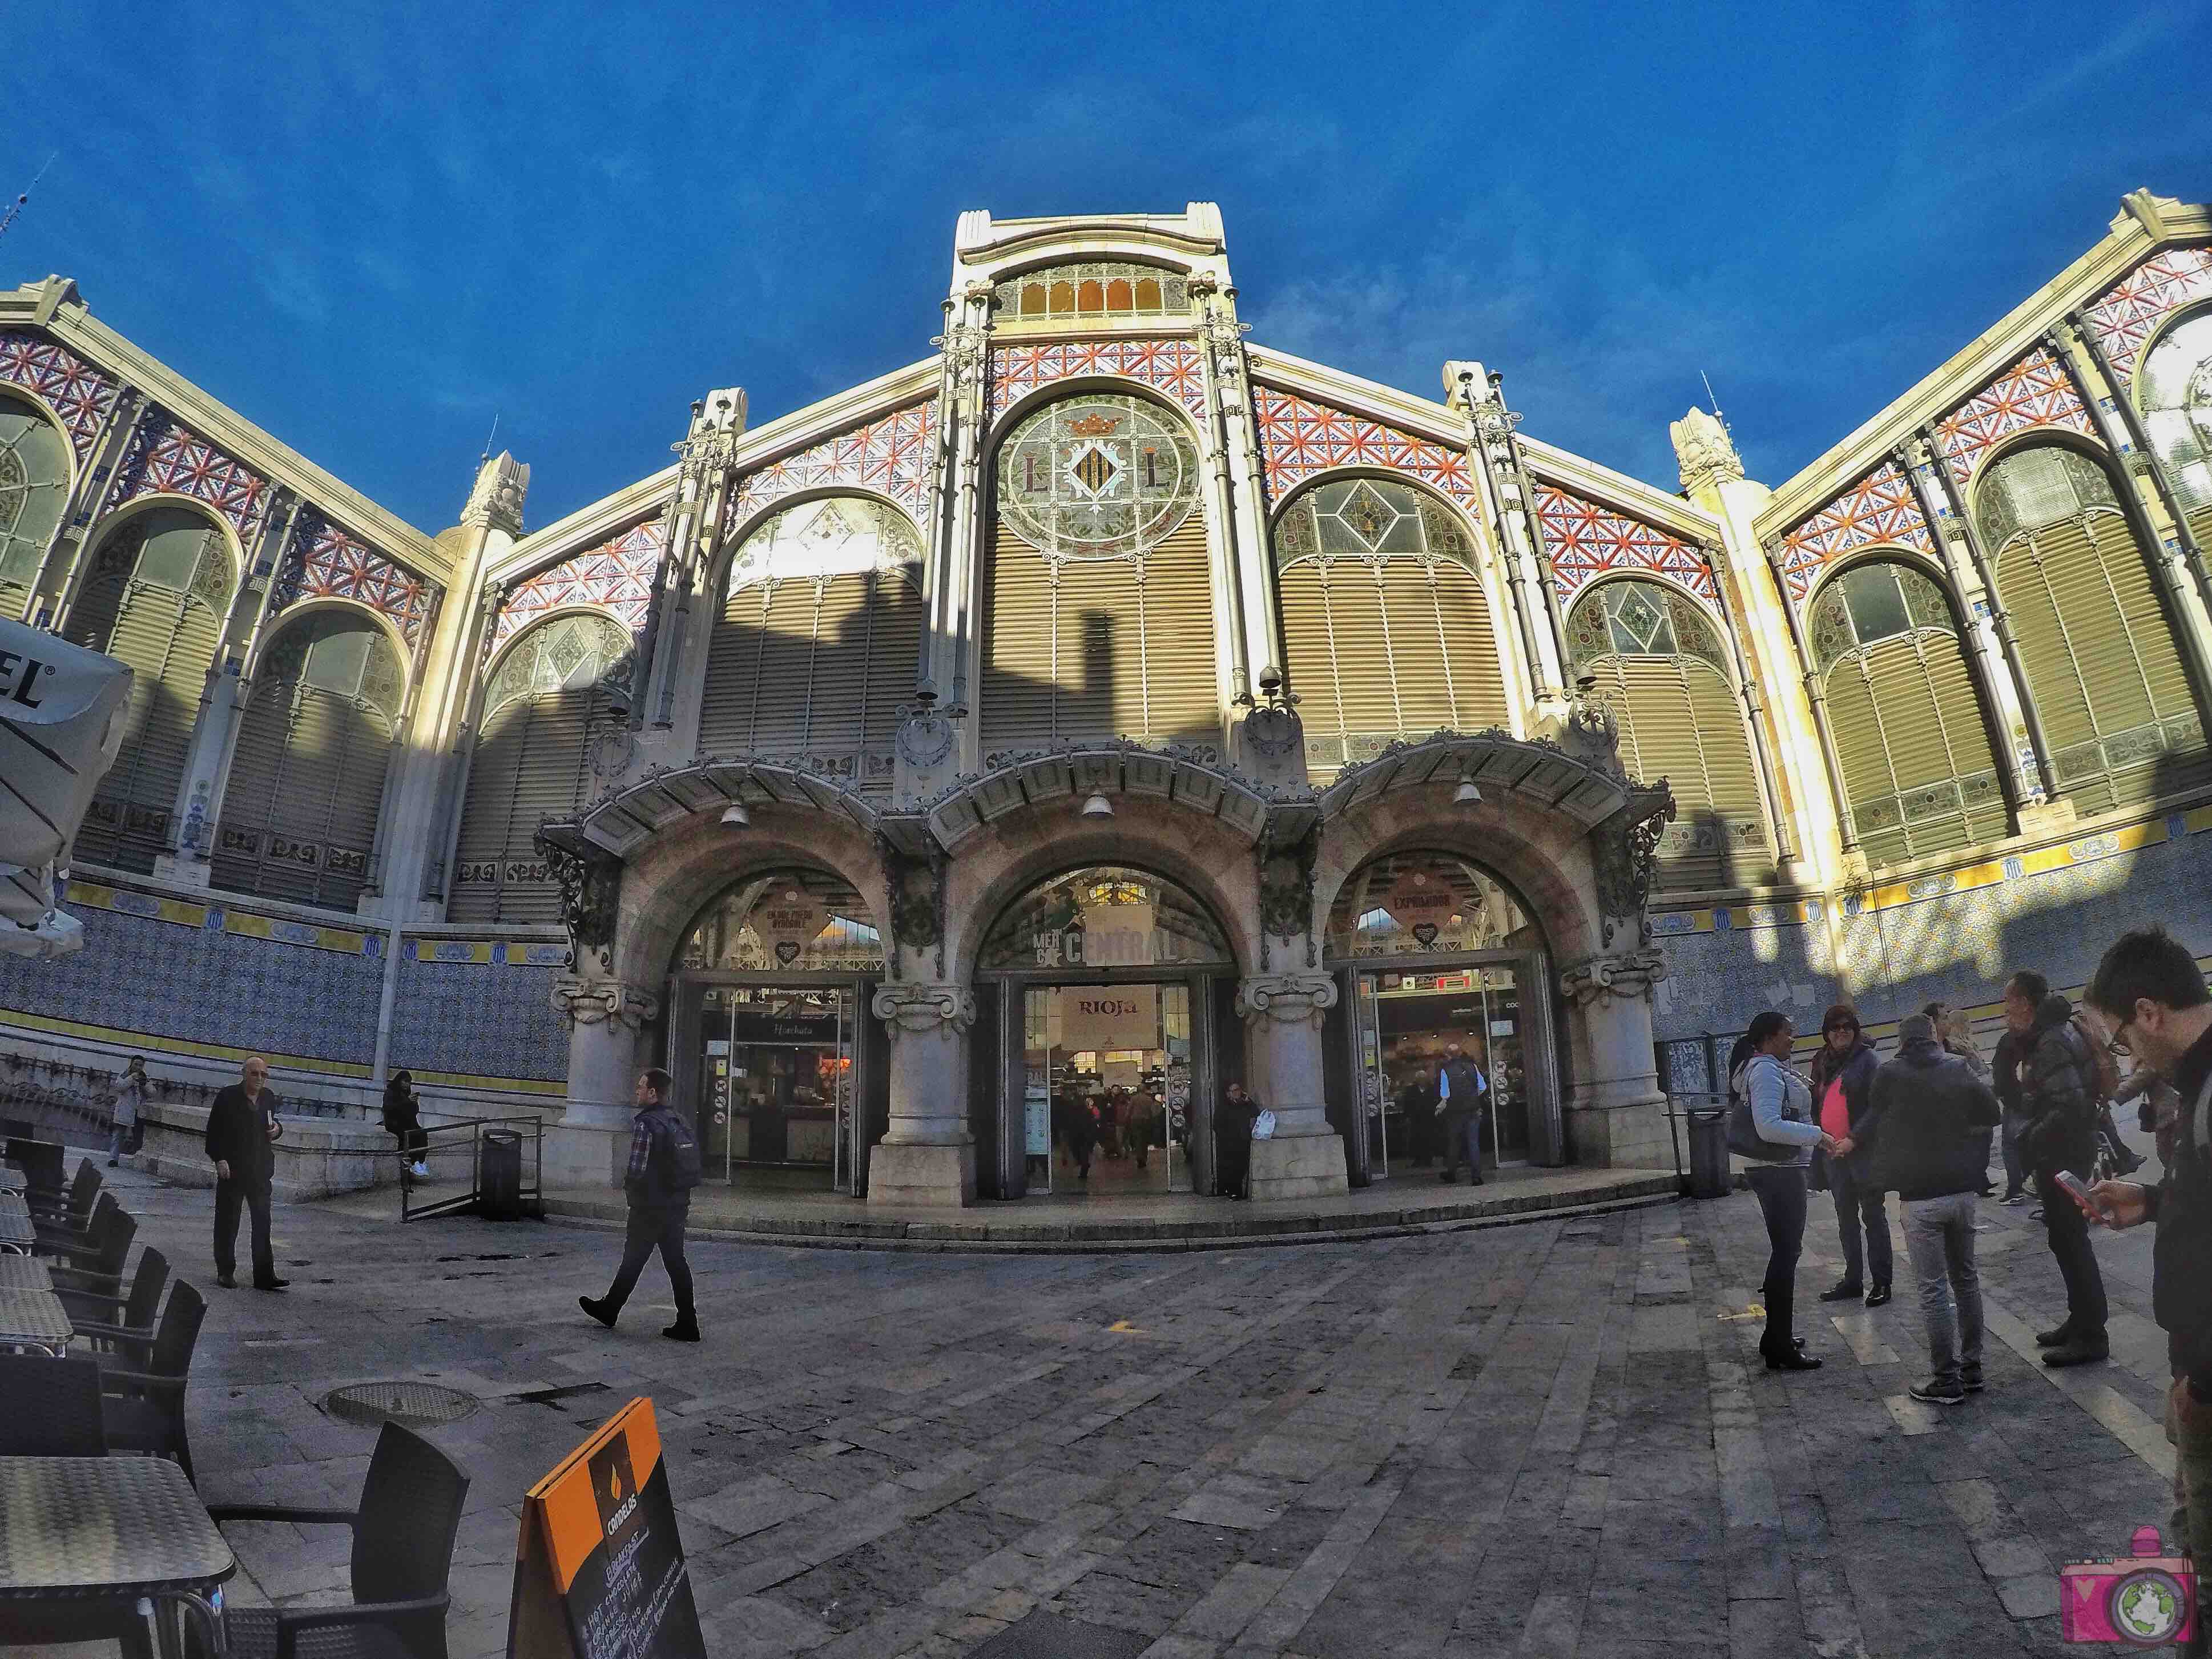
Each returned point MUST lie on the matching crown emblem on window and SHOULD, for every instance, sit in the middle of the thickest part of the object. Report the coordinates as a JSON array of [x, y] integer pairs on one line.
[[1092, 426]]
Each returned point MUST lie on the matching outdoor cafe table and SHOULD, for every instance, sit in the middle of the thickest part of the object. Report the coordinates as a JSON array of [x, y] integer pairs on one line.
[[111, 1535], [16, 1233], [24, 1272], [11, 1181], [35, 1319]]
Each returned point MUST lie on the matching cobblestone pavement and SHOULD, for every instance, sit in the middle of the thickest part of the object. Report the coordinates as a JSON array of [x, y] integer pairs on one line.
[[1553, 1438]]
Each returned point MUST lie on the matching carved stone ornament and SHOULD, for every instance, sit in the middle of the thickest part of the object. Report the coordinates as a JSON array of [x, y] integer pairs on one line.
[[1287, 888], [917, 889], [907, 1009], [925, 737], [604, 1001], [591, 889], [1704, 451], [1592, 735], [1603, 978], [1622, 848], [496, 500], [1293, 999]]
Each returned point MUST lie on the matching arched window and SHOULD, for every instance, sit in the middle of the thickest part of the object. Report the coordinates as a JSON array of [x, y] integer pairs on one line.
[[1384, 619], [306, 777], [795, 921], [1109, 288], [157, 600], [820, 640], [1101, 620], [2094, 643], [559, 693], [2175, 387], [34, 481], [1918, 777], [1660, 667]]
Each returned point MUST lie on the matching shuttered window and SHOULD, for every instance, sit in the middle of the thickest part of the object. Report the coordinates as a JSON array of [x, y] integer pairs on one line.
[[2175, 390], [157, 600], [1384, 620], [560, 690], [1918, 775], [34, 481], [819, 641], [1100, 620], [2094, 642], [306, 775], [1659, 666]]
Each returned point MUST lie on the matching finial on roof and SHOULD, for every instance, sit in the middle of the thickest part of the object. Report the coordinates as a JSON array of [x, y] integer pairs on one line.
[[496, 500], [1704, 451]]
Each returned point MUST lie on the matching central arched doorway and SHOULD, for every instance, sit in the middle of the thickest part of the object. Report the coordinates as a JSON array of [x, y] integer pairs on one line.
[[1106, 991], [1433, 952], [770, 1043]]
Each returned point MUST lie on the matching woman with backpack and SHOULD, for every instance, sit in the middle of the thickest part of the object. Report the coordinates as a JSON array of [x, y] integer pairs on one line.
[[403, 1116], [1770, 1124]]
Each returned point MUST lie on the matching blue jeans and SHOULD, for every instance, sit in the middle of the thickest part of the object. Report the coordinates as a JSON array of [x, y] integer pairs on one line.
[[1463, 1141], [1940, 1233], [119, 1137]]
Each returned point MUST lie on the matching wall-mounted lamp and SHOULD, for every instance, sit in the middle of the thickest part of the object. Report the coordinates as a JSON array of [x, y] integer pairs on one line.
[[1096, 805], [1468, 793], [734, 816]]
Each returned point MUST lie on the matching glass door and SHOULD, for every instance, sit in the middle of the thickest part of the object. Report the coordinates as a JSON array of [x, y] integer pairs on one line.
[[776, 1083]]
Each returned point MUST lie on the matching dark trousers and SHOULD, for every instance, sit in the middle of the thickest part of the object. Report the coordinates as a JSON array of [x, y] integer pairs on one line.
[[1232, 1167], [1780, 1189], [228, 1196], [1463, 1143], [1863, 1224], [651, 1229], [2068, 1229], [2015, 1166]]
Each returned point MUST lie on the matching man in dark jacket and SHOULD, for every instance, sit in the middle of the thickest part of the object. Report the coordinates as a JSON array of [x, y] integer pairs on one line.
[[241, 1128], [1464, 1093], [2004, 1077], [664, 1167], [1846, 1058], [2055, 1071], [1934, 1112], [2149, 991]]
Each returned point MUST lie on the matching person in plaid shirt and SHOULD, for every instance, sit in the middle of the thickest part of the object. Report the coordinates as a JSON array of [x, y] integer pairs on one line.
[[664, 1167]]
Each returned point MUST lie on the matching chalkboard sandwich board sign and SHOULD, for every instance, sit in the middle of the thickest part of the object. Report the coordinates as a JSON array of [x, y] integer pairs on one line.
[[599, 1571]]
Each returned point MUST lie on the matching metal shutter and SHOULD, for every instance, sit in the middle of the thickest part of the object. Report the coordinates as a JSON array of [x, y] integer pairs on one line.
[[894, 664], [1468, 693], [1016, 709], [1309, 641], [1911, 746], [1678, 720], [305, 786], [732, 684], [836, 685], [249, 793], [1182, 695], [785, 667], [167, 640], [488, 812], [550, 782]]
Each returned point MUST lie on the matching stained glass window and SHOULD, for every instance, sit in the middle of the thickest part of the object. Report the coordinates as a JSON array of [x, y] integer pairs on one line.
[[2176, 390], [1369, 518], [1097, 477], [1112, 288], [2043, 485], [34, 478]]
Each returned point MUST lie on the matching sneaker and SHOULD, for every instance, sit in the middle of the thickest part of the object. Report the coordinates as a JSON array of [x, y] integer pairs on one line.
[[1972, 1383], [685, 1329], [1933, 1392], [229, 1281], [2014, 1198], [2036, 1215], [1845, 1291]]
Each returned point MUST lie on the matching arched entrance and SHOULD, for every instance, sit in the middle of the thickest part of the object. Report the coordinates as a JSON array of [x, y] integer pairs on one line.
[[1100, 993], [773, 1053], [1433, 953]]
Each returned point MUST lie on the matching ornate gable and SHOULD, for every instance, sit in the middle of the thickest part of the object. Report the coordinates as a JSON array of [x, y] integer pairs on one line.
[[617, 576], [327, 563], [1879, 508], [1300, 439], [166, 457], [888, 455], [1169, 366], [2036, 390], [1585, 541], [2124, 317], [79, 393]]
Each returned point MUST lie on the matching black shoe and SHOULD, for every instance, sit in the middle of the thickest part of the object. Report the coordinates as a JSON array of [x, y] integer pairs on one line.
[[685, 1329], [2057, 1337], [1448, 1177], [112, 1164], [2078, 1351], [1933, 1392], [1845, 1291], [1877, 1296], [271, 1284], [229, 1281], [1792, 1361], [1972, 1383], [598, 1310]]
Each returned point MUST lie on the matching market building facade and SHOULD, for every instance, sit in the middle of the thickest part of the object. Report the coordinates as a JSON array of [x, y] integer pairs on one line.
[[1108, 701]]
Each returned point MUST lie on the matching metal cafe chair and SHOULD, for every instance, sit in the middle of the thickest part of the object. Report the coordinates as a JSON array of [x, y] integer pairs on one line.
[[104, 1319], [145, 1409], [96, 1264], [72, 1210], [402, 1558], [53, 1408]]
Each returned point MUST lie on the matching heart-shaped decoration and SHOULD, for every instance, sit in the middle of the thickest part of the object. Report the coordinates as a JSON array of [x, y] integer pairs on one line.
[[786, 952], [1424, 933]]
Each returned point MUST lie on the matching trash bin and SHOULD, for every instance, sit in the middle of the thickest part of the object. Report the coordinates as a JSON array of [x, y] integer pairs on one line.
[[1709, 1152], [499, 1176]]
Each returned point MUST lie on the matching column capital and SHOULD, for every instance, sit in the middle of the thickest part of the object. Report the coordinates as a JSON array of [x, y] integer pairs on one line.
[[1288, 998], [1630, 974], [603, 1002], [908, 1008]]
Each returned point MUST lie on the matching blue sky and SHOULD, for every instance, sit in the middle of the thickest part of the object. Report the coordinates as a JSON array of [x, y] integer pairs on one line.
[[369, 230]]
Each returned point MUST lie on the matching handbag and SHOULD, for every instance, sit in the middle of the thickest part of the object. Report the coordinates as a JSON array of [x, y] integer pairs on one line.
[[1743, 1137]]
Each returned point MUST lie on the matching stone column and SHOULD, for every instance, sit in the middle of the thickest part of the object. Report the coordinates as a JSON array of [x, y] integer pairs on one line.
[[1615, 1112], [590, 1146], [927, 1155], [1304, 1157]]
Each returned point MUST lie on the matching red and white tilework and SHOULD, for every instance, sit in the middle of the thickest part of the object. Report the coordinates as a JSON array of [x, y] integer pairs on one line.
[[889, 456], [166, 459], [1168, 366], [1586, 541], [327, 563], [617, 576], [2036, 390], [2124, 317], [79, 393], [1300, 439], [1879, 508]]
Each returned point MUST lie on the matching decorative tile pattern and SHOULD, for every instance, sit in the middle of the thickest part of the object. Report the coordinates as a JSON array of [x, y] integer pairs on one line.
[[1879, 508], [324, 562], [480, 1019], [1586, 541], [2036, 390], [166, 457], [889, 456], [79, 393], [1300, 438], [1169, 366], [617, 576], [2124, 317]]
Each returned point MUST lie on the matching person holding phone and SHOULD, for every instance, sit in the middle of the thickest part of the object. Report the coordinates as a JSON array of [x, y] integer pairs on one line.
[[2151, 996]]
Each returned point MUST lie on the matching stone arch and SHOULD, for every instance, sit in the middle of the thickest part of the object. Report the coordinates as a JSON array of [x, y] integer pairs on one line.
[[718, 572], [292, 614]]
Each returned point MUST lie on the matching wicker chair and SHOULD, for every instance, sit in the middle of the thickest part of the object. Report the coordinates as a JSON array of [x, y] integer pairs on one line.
[[104, 1319], [70, 1211], [97, 1263], [145, 1408], [53, 1408], [403, 1557]]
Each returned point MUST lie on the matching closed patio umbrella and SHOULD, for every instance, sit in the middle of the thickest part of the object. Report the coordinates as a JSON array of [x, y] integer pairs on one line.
[[61, 723]]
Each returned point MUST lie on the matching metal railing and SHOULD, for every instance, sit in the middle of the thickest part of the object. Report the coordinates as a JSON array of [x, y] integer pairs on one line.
[[454, 1152]]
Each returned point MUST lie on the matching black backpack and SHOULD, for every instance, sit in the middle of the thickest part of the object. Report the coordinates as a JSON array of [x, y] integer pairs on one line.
[[684, 1165]]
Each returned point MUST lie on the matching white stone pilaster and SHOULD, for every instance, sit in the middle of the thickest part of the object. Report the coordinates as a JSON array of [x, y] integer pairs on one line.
[[589, 1146], [927, 1155], [1304, 1157], [1615, 1112]]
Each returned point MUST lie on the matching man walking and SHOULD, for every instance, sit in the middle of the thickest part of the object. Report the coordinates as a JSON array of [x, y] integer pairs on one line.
[[1935, 1113], [241, 1128], [2150, 992], [2057, 1095], [1460, 1088], [664, 1167]]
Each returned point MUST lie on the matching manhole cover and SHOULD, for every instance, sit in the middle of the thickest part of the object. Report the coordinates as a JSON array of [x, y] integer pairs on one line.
[[411, 1405]]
